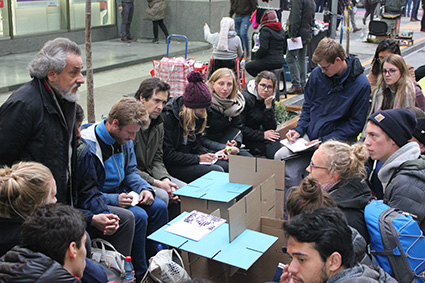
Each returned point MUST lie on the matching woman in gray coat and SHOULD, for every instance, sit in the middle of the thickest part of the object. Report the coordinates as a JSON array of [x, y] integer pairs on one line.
[[156, 13]]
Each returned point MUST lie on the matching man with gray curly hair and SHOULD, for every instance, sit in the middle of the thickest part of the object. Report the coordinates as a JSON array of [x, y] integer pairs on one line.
[[37, 122]]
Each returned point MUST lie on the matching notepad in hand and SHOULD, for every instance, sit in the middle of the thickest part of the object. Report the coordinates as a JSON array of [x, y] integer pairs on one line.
[[298, 145]]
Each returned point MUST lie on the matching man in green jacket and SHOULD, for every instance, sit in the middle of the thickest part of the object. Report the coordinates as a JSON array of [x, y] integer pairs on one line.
[[153, 93]]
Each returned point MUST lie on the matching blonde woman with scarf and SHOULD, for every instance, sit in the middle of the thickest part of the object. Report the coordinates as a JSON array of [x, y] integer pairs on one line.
[[395, 88], [224, 122]]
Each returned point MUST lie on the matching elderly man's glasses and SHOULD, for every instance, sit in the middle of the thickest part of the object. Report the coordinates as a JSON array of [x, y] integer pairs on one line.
[[316, 166], [389, 71], [264, 86]]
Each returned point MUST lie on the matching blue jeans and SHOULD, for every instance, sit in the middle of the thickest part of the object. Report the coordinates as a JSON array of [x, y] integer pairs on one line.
[[415, 9], [148, 219], [126, 18], [241, 26], [296, 64]]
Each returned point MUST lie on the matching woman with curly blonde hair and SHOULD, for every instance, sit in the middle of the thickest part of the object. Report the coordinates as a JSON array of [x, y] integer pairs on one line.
[[340, 170], [395, 87]]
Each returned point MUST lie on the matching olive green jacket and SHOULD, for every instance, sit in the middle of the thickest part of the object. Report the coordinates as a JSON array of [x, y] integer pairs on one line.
[[149, 154]]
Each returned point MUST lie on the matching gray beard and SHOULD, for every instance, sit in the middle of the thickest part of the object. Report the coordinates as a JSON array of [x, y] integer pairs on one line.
[[70, 97]]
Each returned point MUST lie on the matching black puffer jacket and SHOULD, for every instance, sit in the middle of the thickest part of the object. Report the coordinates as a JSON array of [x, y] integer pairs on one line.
[[177, 150], [24, 265], [272, 46], [301, 19], [256, 118], [351, 197], [32, 128]]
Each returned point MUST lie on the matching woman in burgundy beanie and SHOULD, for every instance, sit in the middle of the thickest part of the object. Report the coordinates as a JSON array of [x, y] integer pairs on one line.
[[187, 155]]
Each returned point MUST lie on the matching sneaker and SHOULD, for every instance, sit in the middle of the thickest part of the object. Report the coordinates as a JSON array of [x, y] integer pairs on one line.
[[414, 20], [125, 39], [155, 40], [364, 21], [295, 90], [132, 39], [356, 29]]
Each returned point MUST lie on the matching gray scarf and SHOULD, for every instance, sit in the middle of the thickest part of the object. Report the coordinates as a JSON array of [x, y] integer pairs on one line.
[[228, 107]]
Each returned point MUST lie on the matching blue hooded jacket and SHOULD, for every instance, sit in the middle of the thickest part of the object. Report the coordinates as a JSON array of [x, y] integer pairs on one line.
[[118, 173], [335, 107]]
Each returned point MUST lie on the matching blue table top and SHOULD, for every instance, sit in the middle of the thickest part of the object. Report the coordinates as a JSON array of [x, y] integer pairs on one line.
[[241, 252], [213, 186]]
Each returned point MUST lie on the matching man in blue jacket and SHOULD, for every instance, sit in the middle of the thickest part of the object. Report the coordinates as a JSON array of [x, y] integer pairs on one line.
[[111, 147], [335, 105]]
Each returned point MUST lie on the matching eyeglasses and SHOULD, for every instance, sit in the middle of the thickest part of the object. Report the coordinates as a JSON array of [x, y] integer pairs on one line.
[[389, 71], [264, 86], [326, 68], [311, 165]]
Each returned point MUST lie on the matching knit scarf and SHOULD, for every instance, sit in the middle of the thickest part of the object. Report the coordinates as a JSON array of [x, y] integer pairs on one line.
[[229, 107]]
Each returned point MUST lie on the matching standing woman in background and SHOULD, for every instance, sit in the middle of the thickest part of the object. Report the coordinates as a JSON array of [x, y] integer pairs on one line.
[[156, 13]]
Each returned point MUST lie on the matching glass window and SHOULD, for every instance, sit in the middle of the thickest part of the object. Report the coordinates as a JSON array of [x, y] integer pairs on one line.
[[38, 16], [4, 19], [103, 13]]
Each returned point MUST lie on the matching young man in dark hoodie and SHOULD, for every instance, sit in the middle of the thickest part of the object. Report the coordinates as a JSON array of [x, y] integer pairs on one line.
[[336, 101]]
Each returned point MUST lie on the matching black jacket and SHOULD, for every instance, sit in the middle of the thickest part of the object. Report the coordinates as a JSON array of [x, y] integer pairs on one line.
[[10, 233], [32, 129], [272, 46], [301, 19], [218, 125], [351, 197], [24, 265], [177, 150], [256, 119], [242, 7]]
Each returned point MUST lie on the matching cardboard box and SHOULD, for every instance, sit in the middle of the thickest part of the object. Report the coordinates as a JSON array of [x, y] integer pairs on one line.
[[254, 171]]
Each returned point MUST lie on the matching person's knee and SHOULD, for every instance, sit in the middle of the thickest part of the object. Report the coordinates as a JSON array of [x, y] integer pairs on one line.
[[140, 215], [159, 204], [162, 195]]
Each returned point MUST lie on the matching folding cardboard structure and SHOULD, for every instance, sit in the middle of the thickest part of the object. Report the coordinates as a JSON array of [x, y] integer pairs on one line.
[[246, 198]]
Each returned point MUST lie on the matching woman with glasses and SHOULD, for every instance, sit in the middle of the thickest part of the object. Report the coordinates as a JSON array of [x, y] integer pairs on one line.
[[385, 48], [258, 116], [340, 170], [395, 87], [187, 155], [224, 125]]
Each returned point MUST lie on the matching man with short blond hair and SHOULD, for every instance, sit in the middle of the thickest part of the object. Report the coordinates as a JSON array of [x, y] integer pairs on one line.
[[336, 101]]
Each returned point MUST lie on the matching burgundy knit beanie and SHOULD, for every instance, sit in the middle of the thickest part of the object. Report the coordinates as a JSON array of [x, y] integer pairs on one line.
[[196, 93]]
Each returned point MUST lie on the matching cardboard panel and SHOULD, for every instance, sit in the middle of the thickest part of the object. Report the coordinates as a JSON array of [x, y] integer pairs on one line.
[[267, 167], [253, 209], [237, 219], [268, 196]]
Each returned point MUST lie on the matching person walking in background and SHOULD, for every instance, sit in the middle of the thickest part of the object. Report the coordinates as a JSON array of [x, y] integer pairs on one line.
[[242, 9], [415, 8], [126, 8], [156, 13], [352, 11], [370, 6], [301, 22]]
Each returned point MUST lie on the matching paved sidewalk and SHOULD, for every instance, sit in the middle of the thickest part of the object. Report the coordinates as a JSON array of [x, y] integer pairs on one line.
[[120, 68]]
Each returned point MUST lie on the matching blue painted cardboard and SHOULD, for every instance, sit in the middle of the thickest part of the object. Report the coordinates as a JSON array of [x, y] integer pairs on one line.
[[214, 186], [241, 252]]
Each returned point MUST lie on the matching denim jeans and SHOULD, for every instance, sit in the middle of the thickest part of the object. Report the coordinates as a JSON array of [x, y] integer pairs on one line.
[[148, 219], [126, 18], [415, 9], [241, 26], [296, 64]]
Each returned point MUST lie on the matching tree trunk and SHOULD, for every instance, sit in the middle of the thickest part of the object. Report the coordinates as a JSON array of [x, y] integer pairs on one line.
[[90, 97]]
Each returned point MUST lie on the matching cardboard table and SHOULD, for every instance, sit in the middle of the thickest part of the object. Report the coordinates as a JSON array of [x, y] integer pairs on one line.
[[242, 252]]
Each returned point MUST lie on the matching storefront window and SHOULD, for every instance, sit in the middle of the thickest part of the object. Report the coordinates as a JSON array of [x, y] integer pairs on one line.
[[4, 19], [38, 16], [103, 13]]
